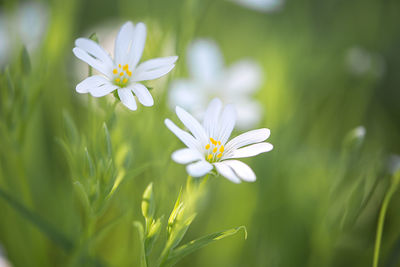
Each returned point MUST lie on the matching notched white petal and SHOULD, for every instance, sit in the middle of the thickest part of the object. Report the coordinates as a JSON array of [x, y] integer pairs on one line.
[[185, 156], [185, 137], [127, 98], [227, 172], [211, 117], [143, 94], [199, 168], [192, 124], [252, 150], [248, 138], [242, 170]]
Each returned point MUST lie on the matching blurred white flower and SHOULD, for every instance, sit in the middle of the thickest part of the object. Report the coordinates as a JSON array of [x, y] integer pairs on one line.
[[394, 164], [27, 24], [3, 261], [261, 5], [123, 72], [209, 79], [207, 147], [362, 62]]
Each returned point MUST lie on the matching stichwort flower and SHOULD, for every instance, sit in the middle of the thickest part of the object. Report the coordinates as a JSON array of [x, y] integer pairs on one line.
[[210, 78], [208, 146], [123, 72]]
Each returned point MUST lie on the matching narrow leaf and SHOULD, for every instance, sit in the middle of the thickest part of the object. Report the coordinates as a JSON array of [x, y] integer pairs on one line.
[[184, 250], [47, 229]]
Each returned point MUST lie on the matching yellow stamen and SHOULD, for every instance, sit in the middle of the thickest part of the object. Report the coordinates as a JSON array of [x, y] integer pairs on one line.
[[119, 65], [213, 141], [115, 71], [219, 142], [215, 149], [129, 73], [117, 80], [121, 74], [208, 146], [124, 80], [209, 157], [125, 67], [219, 155], [222, 149]]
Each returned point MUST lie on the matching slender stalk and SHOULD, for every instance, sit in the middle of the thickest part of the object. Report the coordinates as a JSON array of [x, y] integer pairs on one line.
[[381, 220]]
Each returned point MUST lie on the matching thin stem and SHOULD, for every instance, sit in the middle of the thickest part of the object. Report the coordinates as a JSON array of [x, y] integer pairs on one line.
[[381, 220]]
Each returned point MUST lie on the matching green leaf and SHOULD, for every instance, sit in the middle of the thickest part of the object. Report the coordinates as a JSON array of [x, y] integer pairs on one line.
[[83, 197], [153, 235], [140, 229], [108, 140], [47, 229], [25, 61], [184, 250], [72, 132], [148, 203], [177, 207]]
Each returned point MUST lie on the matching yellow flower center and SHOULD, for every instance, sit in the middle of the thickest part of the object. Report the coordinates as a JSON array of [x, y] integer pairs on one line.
[[214, 150], [122, 75]]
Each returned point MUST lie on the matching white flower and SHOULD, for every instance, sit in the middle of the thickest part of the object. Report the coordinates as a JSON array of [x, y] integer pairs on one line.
[[123, 72], [209, 79], [26, 24], [207, 147], [261, 5]]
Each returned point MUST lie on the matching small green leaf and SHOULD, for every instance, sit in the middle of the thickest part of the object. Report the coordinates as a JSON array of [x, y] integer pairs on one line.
[[184, 250], [25, 61], [139, 227], [83, 197], [72, 132], [108, 140], [90, 162], [153, 235], [148, 203], [178, 205], [10, 82], [179, 231]]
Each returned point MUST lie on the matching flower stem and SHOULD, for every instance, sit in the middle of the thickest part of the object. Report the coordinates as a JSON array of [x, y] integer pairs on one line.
[[381, 220]]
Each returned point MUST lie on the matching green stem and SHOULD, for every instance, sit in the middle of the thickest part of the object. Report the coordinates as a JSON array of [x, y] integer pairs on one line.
[[381, 220]]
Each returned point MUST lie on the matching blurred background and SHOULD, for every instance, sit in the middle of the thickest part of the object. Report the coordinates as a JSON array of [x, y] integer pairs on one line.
[[324, 78]]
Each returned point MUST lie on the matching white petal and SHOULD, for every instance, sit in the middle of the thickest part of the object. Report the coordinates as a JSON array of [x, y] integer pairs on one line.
[[250, 151], [143, 94], [243, 77], [192, 124], [204, 60], [127, 98], [185, 137], [139, 39], [123, 42], [90, 82], [199, 168], [227, 172], [103, 90], [91, 47], [227, 123], [186, 155], [93, 62], [188, 95], [248, 113], [151, 74], [156, 63], [248, 138], [242, 170], [211, 117], [96, 85]]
